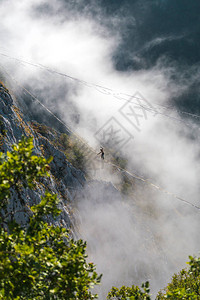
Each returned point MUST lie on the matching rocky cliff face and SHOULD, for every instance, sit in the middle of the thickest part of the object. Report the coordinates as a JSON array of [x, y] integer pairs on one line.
[[68, 182], [64, 179]]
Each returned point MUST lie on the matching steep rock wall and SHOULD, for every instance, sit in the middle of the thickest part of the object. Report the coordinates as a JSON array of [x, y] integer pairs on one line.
[[64, 177], [65, 180]]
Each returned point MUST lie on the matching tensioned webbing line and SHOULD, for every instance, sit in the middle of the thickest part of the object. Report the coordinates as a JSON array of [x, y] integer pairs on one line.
[[154, 185], [48, 110], [106, 90], [118, 167], [109, 92]]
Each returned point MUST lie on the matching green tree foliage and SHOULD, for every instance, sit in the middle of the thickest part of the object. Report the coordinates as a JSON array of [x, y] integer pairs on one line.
[[185, 284], [39, 261], [20, 168], [130, 293]]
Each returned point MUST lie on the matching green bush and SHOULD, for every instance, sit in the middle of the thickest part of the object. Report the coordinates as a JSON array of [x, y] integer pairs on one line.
[[130, 293], [185, 284], [39, 261]]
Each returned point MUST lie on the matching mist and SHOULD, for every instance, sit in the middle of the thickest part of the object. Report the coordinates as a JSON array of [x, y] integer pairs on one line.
[[149, 236]]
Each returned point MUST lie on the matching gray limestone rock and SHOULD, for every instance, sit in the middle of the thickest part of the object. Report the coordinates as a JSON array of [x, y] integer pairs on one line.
[[63, 176]]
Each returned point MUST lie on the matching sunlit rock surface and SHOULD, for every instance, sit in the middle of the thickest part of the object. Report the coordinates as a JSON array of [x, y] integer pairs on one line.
[[64, 177]]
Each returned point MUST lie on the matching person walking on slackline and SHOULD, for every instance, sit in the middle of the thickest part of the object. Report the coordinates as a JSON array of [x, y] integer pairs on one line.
[[101, 152]]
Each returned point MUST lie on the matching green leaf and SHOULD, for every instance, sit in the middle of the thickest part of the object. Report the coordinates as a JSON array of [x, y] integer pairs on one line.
[[39, 261]]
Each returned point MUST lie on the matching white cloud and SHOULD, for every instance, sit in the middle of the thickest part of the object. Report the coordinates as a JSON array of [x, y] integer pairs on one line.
[[77, 45]]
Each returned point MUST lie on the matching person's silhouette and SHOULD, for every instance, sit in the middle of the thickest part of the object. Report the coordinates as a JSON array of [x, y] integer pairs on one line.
[[101, 152]]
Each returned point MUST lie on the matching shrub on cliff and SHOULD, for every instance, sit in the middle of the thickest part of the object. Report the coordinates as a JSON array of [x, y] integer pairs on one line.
[[39, 261]]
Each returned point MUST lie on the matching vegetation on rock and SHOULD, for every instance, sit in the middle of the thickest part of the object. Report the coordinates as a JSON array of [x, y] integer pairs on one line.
[[130, 293], [38, 261]]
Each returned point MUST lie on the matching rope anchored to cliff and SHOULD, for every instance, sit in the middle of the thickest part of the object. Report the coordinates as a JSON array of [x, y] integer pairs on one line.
[[119, 169]]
